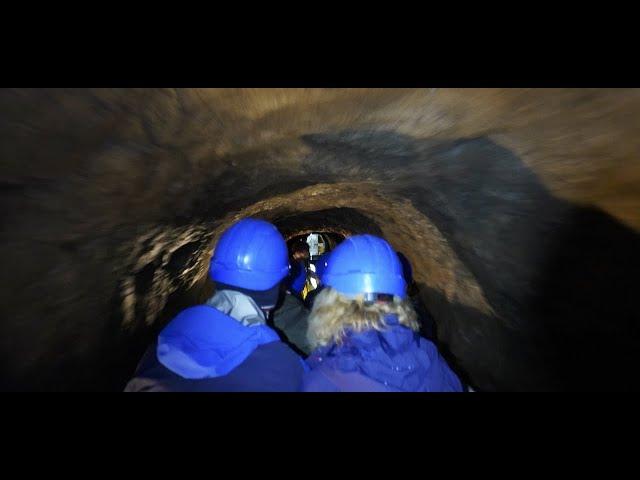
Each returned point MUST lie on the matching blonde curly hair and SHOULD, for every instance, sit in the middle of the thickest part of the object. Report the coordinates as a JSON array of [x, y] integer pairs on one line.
[[333, 313]]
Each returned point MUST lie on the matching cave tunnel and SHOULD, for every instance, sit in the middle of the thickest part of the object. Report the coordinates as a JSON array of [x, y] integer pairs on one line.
[[519, 210]]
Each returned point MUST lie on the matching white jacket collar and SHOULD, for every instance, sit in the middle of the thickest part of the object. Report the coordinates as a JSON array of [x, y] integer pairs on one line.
[[238, 306]]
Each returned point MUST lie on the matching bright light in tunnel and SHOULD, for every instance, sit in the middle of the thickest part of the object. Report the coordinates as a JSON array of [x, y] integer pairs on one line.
[[312, 241]]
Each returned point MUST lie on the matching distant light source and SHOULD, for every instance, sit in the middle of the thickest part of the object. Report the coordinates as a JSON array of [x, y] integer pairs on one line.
[[312, 241]]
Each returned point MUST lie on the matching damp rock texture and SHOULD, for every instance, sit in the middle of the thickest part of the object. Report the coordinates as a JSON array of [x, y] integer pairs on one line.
[[518, 208]]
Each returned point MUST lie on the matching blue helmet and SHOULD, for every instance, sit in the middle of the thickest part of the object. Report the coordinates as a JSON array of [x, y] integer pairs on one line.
[[298, 277], [365, 264], [321, 264], [250, 254]]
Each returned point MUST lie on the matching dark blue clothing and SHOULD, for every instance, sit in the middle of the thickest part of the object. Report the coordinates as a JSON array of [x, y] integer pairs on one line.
[[292, 319], [205, 350], [394, 360], [297, 277]]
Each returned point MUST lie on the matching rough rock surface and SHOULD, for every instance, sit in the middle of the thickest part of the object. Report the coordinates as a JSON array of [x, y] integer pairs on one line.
[[519, 209]]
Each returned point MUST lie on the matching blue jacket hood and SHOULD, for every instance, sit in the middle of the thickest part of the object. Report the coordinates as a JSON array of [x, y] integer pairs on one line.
[[202, 342], [396, 357]]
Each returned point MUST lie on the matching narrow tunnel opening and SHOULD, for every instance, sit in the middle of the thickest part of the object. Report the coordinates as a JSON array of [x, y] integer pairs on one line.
[[517, 209], [318, 231]]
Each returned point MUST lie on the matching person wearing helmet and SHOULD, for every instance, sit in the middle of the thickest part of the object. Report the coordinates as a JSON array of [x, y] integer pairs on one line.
[[320, 265], [297, 280], [291, 315], [226, 345], [291, 318], [364, 330]]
